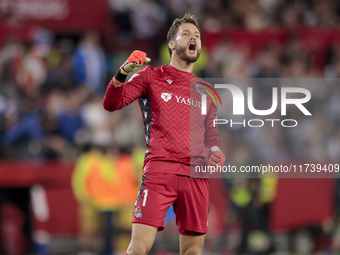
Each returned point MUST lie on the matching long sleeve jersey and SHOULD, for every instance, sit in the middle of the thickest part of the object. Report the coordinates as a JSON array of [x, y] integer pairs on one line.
[[175, 130]]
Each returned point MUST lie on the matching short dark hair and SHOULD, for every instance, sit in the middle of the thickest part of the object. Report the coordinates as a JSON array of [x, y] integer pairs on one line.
[[187, 18]]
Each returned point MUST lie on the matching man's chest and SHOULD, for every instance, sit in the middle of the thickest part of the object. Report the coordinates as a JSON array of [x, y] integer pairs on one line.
[[169, 94]]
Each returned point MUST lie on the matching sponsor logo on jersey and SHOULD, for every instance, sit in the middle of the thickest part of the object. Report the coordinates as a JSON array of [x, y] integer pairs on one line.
[[181, 100], [138, 212], [188, 101], [169, 81], [166, 96]]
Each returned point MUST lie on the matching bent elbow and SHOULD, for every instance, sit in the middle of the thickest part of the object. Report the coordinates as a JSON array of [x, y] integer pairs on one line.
[[108, 107]]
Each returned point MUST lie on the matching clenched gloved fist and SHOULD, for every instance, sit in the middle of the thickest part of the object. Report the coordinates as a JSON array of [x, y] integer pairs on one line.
[[217, 157]]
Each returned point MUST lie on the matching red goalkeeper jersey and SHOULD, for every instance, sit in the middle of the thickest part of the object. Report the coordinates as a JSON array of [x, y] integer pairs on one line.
[[175, 130]]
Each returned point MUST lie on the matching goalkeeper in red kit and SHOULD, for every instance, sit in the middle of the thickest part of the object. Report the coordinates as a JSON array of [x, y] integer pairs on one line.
[[169, 102]]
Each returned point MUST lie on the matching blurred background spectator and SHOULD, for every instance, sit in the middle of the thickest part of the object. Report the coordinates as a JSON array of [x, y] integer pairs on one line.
[[89, 66], [102, 183], [55, 64]]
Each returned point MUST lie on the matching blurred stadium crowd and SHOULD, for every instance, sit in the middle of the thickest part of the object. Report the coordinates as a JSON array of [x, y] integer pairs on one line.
[[52, 85]]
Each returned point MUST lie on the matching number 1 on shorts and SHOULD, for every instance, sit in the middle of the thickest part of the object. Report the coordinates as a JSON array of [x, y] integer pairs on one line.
[[145, 196]]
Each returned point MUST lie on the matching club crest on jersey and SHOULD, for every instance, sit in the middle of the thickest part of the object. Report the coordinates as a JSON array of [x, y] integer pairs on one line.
[[199, 89], [166, 96], [138, 212]]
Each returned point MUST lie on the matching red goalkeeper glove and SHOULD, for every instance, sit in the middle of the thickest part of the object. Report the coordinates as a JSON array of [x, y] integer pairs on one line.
[[135, 60], [217, 157]]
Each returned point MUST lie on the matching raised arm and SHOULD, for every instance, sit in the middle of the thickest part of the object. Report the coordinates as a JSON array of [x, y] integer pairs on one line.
[[120, 93]]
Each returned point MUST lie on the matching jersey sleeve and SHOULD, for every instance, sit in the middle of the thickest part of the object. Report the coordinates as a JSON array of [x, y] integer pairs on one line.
[[211, 133], [117, 98]]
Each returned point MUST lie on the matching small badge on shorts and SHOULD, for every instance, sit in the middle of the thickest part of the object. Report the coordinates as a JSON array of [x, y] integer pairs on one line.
[[138, 213]]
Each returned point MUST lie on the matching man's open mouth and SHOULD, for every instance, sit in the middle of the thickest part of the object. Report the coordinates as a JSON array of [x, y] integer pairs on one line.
[[192, 47]]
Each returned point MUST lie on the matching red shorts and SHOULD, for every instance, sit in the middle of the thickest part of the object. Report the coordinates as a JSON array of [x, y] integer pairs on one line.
[[189, 197]]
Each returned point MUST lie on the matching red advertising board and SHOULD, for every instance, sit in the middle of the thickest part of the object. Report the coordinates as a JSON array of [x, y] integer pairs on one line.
[[299, 203], [302, 203], [65, 15]]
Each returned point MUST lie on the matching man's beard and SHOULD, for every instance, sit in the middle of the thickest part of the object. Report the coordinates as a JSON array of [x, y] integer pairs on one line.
[[181, 52]]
